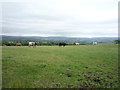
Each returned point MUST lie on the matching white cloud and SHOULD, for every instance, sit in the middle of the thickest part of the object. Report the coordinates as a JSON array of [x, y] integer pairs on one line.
[[61, 18]]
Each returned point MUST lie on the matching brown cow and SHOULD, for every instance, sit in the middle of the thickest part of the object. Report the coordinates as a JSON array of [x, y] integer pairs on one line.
[[18, 44]]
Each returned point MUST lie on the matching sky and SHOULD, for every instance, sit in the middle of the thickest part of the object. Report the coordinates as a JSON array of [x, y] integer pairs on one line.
[[68, 18]]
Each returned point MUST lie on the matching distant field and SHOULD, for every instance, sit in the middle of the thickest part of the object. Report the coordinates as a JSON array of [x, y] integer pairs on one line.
[[85, 66]]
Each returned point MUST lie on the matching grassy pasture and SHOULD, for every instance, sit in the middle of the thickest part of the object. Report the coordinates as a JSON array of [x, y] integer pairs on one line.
[[85, 66]]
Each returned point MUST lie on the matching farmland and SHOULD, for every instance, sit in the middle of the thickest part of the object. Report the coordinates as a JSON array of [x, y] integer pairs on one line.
[[84, 66]]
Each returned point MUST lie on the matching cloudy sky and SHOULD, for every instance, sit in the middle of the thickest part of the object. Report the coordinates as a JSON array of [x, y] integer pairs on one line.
[[69, 18]]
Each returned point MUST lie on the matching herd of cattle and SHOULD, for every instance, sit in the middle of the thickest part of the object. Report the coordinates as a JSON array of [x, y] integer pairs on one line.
[[34, 44]]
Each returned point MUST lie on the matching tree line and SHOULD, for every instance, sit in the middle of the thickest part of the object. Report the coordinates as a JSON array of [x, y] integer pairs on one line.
[[117, 41], [39, 43], [25, 43]]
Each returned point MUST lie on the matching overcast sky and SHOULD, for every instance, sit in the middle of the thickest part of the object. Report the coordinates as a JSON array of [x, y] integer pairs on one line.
[[69, 18]]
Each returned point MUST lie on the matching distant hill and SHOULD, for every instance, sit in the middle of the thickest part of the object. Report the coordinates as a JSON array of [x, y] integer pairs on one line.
[[100, 40]]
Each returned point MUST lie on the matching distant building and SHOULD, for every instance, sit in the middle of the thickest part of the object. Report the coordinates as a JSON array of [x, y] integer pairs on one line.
[[11, 42]]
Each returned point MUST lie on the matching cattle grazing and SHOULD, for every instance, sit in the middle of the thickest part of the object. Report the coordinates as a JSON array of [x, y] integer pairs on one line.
[[77, 43], [32, 44], [62, 44], [18, 44], [94, 43]]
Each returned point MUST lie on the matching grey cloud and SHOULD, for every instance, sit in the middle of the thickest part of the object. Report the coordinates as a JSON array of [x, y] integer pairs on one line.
[[23, 18]]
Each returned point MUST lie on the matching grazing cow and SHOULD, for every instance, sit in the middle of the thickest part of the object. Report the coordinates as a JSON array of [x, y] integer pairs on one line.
[[77, 43], [18, 44], [62, 44], [32, 44], [94, 43]]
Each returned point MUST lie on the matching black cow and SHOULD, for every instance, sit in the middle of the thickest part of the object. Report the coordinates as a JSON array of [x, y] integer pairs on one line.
[[62, 44]]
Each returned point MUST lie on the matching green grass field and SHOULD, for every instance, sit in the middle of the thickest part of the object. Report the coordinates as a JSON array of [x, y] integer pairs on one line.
[[84, 66]]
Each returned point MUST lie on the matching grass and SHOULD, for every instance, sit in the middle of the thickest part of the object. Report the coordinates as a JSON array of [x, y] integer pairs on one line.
[[84, 66]]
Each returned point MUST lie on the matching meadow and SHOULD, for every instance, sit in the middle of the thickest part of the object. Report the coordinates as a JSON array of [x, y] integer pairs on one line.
[[84, 66]]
